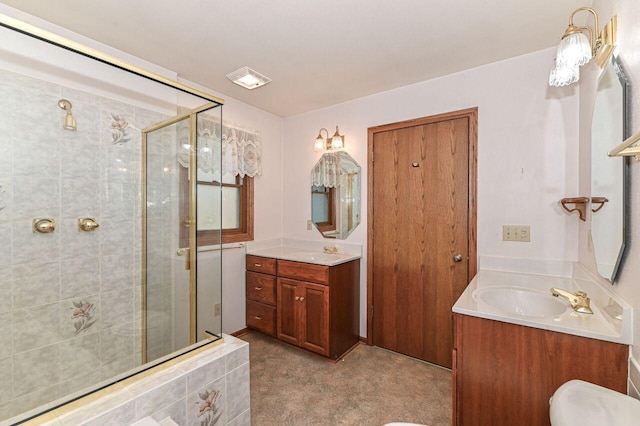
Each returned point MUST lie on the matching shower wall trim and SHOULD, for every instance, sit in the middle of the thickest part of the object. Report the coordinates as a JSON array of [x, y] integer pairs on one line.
[[65, 43], [117, 395]]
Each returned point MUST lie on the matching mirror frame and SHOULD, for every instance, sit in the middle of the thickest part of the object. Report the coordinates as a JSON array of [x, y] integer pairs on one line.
[[626, 132], [332, 228]]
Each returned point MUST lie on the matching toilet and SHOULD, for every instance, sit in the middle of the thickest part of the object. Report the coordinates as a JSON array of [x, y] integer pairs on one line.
[[578, 403]]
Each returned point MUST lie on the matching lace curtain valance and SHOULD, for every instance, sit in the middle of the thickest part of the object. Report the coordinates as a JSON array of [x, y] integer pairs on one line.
[[327, 171], [241, 149]]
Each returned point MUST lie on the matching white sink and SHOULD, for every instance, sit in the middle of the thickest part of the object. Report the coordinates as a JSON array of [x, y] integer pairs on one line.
[[315, 257], [521, 301]]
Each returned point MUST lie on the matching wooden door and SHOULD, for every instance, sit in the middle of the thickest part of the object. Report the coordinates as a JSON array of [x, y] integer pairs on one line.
[[421, 242], [314, 332], [288, 311]]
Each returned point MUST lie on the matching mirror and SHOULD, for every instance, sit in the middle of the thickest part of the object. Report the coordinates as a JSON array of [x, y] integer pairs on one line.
[[609, 127], [335, 195]]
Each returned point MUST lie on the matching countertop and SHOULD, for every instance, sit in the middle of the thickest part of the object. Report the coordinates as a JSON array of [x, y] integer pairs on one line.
[[304, 255], [601, 325]]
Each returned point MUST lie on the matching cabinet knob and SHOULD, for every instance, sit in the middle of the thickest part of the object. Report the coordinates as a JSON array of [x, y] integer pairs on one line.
[[301, 299], [457, 258], [297, 298], [258, 318], [258, 288]]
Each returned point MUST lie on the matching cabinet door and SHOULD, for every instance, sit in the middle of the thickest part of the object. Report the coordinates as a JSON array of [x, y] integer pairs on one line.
[[288, 311], [314, 330]]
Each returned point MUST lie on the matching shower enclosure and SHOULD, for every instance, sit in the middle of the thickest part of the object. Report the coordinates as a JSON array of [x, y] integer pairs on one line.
[[101, 271]]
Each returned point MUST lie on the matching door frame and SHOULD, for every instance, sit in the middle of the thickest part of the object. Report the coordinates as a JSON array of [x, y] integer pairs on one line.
[[472, 115]]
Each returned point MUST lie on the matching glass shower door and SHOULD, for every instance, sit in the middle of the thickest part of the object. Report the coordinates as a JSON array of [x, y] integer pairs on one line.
[[171, 294]]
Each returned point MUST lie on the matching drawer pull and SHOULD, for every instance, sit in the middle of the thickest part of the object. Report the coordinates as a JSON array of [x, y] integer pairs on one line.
[[258, 265], [258, 288], [258, 318]]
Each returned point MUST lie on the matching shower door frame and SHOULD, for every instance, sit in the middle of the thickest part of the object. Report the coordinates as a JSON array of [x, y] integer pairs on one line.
[[192, 251]]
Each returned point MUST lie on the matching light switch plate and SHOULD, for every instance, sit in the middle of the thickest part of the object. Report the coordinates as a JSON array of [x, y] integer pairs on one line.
[[521, 233]]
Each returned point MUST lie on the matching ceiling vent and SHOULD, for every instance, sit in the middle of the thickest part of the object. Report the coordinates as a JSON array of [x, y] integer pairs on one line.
[[248, 78]]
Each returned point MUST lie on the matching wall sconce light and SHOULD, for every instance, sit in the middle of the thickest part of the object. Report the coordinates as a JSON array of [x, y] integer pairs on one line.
[[335, 142], [69, 121], [575, 49]]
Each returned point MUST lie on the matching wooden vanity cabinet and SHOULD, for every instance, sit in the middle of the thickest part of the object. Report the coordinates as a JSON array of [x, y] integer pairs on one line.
[[504, 374], [261, 294], [316, 306], [297, 302]]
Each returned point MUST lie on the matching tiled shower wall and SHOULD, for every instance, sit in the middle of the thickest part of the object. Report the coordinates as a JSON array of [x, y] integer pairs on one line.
[[69, 301]]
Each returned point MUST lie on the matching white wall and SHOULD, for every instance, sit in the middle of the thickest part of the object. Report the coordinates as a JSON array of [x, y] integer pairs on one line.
[[527, 134], [627, 284], [267, 206]]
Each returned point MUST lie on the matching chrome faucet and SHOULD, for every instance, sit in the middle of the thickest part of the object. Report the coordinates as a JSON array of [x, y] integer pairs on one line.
[[579, 301], [331, 250]]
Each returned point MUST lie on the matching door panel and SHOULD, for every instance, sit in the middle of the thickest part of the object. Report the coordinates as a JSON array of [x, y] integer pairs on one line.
[[315, 322], [420, 221], [288, 311]]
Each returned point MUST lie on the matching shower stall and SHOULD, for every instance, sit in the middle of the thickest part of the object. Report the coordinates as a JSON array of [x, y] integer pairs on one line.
[[103, 198]]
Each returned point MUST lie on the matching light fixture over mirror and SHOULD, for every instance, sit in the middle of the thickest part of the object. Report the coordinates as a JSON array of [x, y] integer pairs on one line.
[[328, 144], [576, 49]]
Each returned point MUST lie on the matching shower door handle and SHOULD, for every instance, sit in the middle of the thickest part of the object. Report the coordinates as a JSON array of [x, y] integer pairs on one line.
[[186, 253]]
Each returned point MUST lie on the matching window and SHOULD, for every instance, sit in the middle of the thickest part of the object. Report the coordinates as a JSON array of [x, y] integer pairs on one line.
[[224, 179], [235, 217], [324, 211]]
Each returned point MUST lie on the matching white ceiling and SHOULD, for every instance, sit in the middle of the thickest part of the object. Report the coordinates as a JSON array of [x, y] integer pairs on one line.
[[317, 52]]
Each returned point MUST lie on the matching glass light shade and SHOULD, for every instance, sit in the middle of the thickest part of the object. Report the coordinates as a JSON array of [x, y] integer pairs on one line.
[[563, 75], [336, 142], [574, 50], [319, 144]]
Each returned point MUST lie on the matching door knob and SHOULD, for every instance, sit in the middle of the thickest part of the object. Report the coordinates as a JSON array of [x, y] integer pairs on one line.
[[457, 258]]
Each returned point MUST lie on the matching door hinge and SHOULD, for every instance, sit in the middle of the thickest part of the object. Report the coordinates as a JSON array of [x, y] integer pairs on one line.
[[372, 156], [372, 311], [372, 234]]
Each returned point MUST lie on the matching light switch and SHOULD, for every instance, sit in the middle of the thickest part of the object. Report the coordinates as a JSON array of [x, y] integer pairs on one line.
[[521, 233]]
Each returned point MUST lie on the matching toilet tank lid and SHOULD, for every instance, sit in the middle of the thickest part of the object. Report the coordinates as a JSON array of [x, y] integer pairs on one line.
[[579, 403]]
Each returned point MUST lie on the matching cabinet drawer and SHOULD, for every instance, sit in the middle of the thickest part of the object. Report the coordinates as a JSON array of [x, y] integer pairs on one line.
[[261, 288], [266, 265], [303, 271], [261, 317]]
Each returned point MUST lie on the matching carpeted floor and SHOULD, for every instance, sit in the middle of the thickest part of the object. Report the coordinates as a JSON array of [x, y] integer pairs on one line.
[[372, 386]]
